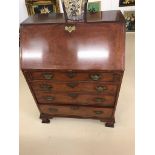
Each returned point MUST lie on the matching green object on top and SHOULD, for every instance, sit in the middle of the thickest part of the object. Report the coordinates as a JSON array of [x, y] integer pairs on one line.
[[94, 7]]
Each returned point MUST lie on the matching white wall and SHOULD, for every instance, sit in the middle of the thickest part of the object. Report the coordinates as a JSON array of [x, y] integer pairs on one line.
[[22, 11], [112, 5], [105, 5]]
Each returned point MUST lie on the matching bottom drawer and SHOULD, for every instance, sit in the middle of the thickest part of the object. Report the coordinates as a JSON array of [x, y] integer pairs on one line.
[[77, 111]]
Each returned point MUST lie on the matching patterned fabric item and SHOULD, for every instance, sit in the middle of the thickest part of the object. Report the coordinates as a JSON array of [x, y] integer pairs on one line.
[[74, 9]]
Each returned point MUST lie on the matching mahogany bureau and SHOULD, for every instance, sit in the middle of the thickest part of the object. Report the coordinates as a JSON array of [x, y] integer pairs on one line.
[[74, 69]]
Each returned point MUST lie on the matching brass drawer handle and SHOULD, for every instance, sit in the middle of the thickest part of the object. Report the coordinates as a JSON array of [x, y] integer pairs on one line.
[[71, 74], [74, 107], [73, 95], [70, 28], [48, 76], [101, 88], [95, 77], [46, 87], [99, 99], [52, 110], [72, 84], [97, 112], [50, 98]]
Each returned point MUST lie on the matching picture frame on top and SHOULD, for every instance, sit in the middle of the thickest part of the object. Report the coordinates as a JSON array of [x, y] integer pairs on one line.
[[124, 3], [94, 7], [42, 6], [130, 20]]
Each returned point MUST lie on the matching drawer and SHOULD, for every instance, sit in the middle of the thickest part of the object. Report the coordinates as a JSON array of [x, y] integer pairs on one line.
[[76, 98], [74, 76], [94, 87], [77, 111]]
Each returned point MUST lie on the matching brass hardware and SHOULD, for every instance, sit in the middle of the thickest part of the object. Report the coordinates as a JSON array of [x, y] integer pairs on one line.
[[71, 74], [97, 112], [95, 77], [50, 98], [46, 87], [48, 76], [70, 28], [74, 107], [99, 99], [73, 95], [101, 88], [72, 84], [52, 109]]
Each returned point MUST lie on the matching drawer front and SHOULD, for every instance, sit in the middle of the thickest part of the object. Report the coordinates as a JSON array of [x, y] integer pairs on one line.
[[76, 98], [79, 111], [74, 76], [74, 87]]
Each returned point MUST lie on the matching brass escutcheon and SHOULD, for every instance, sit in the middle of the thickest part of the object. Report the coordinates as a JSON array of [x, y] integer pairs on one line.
[[70, 28], [71, 74], [98, 112], [101, 88], [95, 77], [99, 99], [50, 98], [48, 76], [73, 95], [46, 87], [72, 84]]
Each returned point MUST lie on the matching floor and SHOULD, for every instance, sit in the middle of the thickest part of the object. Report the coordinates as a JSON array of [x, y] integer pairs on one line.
[[67, 136]]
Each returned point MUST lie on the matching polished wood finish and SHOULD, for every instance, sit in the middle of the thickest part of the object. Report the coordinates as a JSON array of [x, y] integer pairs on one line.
[[70, 75], [105, 39], [78, 73], [75, 110], [75, 50], [93, 87], [75, 98]]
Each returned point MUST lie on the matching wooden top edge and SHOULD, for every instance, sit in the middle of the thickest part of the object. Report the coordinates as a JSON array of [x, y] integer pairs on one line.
[[103, 16]]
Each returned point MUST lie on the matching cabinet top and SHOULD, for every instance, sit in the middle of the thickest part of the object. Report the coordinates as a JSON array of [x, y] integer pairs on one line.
[[103, 16]]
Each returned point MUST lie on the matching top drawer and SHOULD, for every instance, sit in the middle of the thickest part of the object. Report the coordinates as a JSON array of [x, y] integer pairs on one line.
[[74, 75]]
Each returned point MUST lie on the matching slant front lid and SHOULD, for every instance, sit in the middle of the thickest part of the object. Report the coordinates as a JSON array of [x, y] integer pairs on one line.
[[91, 45]]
